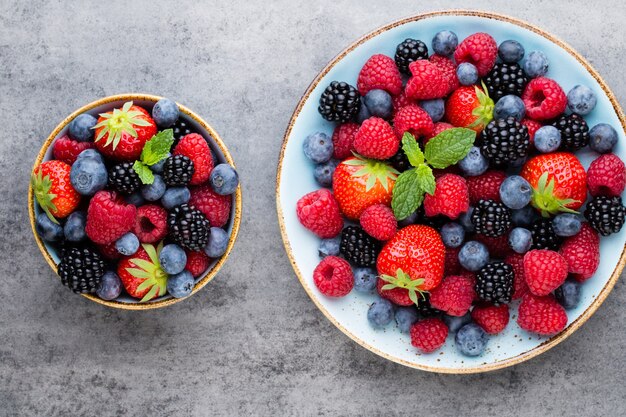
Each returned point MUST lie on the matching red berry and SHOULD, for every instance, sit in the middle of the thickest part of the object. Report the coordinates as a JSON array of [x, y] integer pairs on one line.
[[380, 72], [479, 49], [541, 315], [196, 148], [379, 222], [67, 150], [333, 277], [375, 139], [492, 319], [429, 335], [108, 217], [544, 270], [485, 186], [215, 207], [532, 126], [123, 132], [498, 246], [451, 197], [437, 129], [582, 253], [544, 99], [318, 211], [454, 295], [448, 70], [151, 223], [400, 101], [343, 139], [452, 266], [110, 251], [427, 82], [606, 176], [398, 296], [519, 282], [197, 262], [412, 119]]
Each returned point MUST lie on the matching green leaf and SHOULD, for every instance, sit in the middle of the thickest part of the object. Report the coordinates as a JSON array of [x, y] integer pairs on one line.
[[138, 273], [412, 150], [145, 174], [449, 147], [426, 179], [143, 264], [157, 148], [407, 194], [153, 291]]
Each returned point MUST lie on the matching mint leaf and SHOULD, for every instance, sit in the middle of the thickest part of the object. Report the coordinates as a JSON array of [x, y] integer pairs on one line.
[[412, 150], [426, 179], [157, 148], [407, 194], [145, 174], [449, 147]]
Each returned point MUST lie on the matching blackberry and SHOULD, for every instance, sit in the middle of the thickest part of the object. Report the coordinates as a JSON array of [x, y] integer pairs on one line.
[[494, 283], [177, 170], [400, 161], [606, 214], [544, 236], [339, 102], [505, 79], [123, 178], [491, 218], [574, 131], [188, 227], [81, 269], [504, 141], [424, 309], [408, 51], [181, 128], [358, 247]]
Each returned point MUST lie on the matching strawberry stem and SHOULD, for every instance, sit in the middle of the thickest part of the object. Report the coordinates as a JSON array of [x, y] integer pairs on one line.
[[403, 280], [546, 202]]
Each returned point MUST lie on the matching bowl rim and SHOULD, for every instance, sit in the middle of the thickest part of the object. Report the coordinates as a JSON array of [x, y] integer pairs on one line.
[[216, 139], [541, 348]]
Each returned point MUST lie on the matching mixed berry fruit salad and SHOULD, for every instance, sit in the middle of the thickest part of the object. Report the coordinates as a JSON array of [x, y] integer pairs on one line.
[[452, 190], [134, 203]]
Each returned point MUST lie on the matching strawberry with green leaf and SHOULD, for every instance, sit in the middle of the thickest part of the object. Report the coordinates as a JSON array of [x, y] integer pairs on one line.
[[142, 275], [470, 106], [53, 190], [154, 151]]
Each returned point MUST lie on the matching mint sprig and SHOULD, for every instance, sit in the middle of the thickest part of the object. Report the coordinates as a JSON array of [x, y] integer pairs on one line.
[[445, 149], [154, 151]]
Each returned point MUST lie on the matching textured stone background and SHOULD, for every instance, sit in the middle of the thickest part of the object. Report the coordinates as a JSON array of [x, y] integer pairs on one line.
[[251, 342]]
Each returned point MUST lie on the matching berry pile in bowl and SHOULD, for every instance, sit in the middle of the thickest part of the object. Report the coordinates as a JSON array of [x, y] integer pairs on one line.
[[135, 201], [465, 202]]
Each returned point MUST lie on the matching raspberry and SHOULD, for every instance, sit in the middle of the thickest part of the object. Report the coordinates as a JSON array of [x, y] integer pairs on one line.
[[544, 99], [606, 176], [197, 262], [375, 139], [485, 186], [492, 319], [412, 119], [380, 72], [429, 335], [318, 211], [343, 139], [437, 129], [479, 49], [519, 281], [333, 277], [427, 82], [151, 223], [582, 253], [108, 217], [498, 246], [452, 266], [195, 147], [544, 270], [398, 296], [541, 315], [532, 126], [451, 197], [67, 150], [454, 295], [215, 207], [110, 252], [379, 222], [448, 70], [400, 101]]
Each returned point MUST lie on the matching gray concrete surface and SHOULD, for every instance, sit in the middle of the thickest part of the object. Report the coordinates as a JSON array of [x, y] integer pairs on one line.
[[251, 342]]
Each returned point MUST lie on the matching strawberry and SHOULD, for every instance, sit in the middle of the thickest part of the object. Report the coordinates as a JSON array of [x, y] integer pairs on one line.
[[541, 315], [109, 217], [451, 197], [379, 222], [375, 139], [582, 253], [519, 283], [544, 271], [343, 139], [544, 99], [380, 72], [448, 71], [359, 183], [485, 186], [558, 180], [67, 150], [196, 148], [53, 190], [429, 335], [427, 81], [412, 262], [454, 295], [141, 273], [492, 319], [122, 133], [412, 119], [479, 49], [469, 106], [606, 176], [318, 211]]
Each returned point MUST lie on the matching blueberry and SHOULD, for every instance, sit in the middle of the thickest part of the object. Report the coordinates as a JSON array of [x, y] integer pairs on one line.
[[452, 235], [509, 105], [568, 294], [547, 139], [380, 313], [473, 256], [224, 179], [454, 323], [363, 114], [88, 176], [566, 224], [110, 286], [90, 153], [520, 240], [318, 147], [180, 285], [365, 280], [74, 228], [379, 103], [218, 242], [165, 112], [581, 99], [467, 73], [405, 318], [435, 108], [172, 259], [136, 199], [471, 340], [47, 229], [128, 244], [536, 64], [524, 217], [465, 220], [323, 172], [158, 167], [175, 196], [445, 42], [411, 219], [329, 247], [474, 163], [602, 138], [515, 192], [81, 128], [511, 51], [154, 191]]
